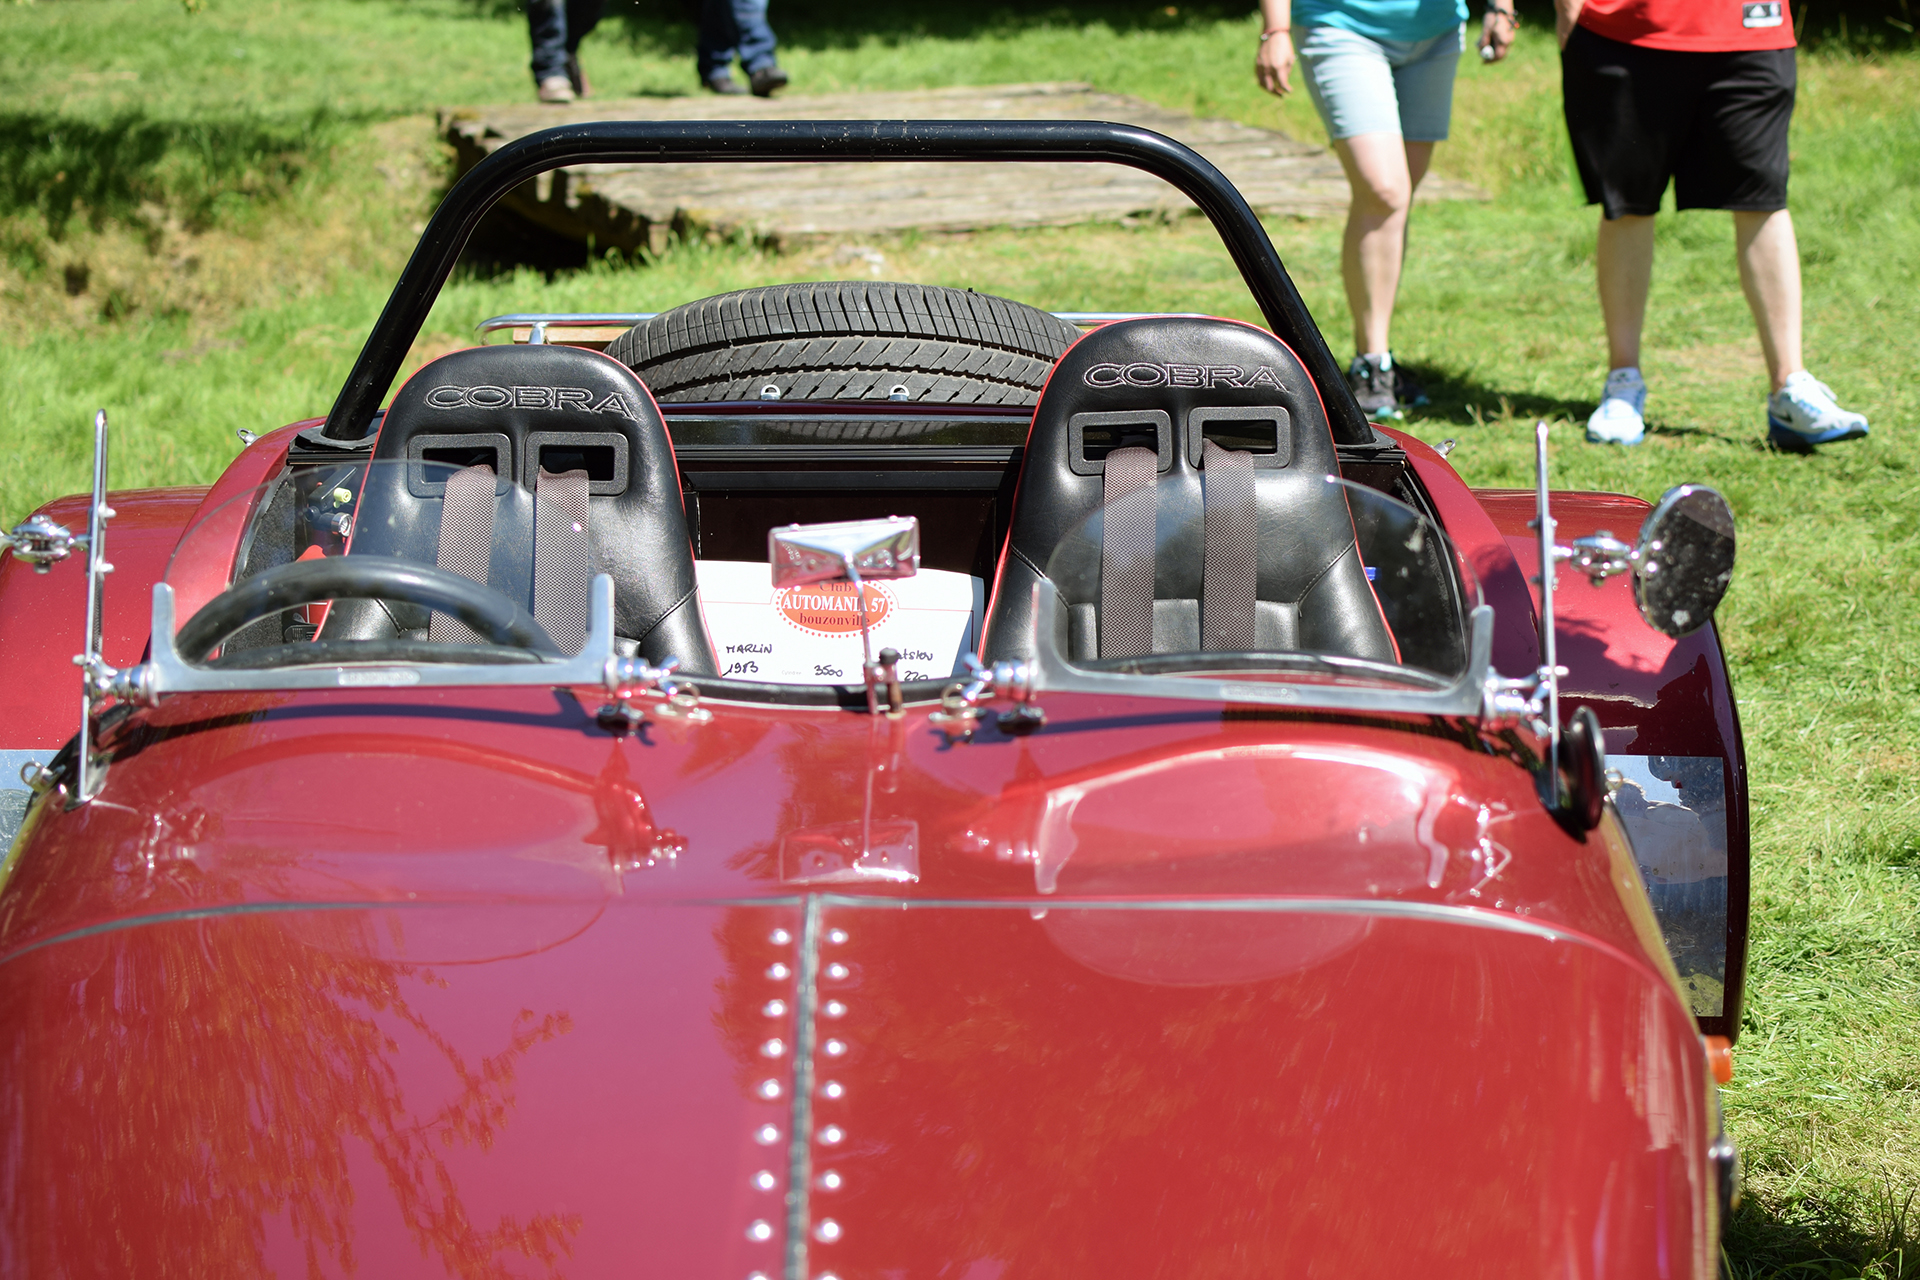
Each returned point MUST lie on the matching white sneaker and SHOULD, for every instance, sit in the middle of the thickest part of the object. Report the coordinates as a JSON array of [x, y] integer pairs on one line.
[[556, 90], [1620, 419], [1803, 414]]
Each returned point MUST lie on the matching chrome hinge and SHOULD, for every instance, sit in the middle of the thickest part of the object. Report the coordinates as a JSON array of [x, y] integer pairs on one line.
[[41, 542], [627, 679], [960, 704]]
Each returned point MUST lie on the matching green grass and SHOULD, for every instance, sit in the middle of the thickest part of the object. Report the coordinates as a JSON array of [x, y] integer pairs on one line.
[[200, 216]]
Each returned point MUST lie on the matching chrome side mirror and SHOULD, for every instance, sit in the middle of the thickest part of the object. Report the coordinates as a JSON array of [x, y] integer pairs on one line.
[[852, 551], [1682, 565]]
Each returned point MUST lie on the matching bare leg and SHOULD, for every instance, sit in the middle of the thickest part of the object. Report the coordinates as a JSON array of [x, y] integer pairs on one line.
[[1624, 256], [1383, 172], [1769, 259]]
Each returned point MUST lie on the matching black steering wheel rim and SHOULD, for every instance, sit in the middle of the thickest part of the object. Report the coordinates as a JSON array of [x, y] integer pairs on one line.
[[490, 615]]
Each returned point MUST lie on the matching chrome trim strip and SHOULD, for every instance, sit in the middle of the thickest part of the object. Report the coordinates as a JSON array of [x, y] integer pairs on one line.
[[1429, 912], [806, 999], [605, 319]]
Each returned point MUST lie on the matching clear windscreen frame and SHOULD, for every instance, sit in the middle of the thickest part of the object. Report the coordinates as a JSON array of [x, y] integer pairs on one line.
[[320, 506]]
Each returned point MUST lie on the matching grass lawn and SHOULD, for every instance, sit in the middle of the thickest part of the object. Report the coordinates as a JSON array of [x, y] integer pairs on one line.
[[201, 214]]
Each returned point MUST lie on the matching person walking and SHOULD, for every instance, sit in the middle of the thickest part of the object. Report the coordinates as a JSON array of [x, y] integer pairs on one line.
[[1380, 72], [1698, 94], [737, 28], [557, 27]]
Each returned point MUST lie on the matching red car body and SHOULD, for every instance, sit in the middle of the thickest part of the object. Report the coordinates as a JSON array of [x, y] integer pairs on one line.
[[461, 981]]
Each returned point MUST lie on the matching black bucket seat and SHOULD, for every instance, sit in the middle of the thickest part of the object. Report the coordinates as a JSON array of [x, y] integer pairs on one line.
[[1175, 482], [553, 465]]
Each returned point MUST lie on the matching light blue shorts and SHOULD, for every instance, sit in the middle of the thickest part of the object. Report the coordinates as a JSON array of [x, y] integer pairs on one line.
[[1363, 85]]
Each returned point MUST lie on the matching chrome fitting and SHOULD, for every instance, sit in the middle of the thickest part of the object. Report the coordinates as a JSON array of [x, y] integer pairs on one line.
[[960, 705], [627, 679], [41, 542]]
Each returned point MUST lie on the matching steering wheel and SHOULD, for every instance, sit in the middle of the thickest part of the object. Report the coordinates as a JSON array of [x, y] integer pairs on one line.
[[491, 615]]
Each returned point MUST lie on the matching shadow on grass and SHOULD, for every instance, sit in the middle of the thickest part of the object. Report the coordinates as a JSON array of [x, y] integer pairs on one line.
[[1808, 1240], [1465, 399], [127, 167]]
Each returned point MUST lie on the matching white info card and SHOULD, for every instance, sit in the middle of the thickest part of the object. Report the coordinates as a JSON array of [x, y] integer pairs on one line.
[[811, 634]]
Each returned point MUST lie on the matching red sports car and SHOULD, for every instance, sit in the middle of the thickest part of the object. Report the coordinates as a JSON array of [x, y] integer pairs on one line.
[[865, 780]]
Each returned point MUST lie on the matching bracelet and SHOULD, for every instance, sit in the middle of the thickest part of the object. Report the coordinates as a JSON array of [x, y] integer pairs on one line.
[[1271, 32], [1496, 11]]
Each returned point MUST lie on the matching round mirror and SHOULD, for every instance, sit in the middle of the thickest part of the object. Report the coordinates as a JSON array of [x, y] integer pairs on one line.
[[1685, 559]]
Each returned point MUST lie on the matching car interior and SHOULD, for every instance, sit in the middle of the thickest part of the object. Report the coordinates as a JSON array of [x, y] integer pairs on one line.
[[1170, 482]]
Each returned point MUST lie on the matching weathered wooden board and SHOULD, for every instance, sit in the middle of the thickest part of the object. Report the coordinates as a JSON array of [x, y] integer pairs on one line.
[[630, 206]]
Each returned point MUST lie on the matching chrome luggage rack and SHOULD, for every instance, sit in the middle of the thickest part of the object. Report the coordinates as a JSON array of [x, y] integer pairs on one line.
[[598, 328]]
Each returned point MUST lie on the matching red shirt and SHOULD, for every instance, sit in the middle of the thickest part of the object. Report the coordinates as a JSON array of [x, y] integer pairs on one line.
[[1703, 26]]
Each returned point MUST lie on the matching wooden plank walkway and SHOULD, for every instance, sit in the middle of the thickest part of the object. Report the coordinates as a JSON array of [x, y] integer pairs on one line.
[[631, 206]]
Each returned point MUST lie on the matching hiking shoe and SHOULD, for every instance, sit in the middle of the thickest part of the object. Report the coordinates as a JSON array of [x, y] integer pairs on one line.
[[722, 82], [1371, 380], [1803, 414], [575, 76], [556, 90], [1621, 417], [767, 79], [1407, 389]]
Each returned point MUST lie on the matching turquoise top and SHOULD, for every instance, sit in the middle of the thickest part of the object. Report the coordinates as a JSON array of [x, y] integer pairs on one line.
[[1401, 20]]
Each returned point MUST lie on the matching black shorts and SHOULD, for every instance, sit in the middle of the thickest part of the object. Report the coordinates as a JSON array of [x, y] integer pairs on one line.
[[1716, 123]]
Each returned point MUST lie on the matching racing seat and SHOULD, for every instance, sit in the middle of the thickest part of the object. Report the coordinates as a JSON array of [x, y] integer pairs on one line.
[[562, 469], [1174, 482]]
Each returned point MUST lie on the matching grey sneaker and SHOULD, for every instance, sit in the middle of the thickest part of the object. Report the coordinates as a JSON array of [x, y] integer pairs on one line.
[[1621, 417], [557, 90], [723, 83], [1371, 380]]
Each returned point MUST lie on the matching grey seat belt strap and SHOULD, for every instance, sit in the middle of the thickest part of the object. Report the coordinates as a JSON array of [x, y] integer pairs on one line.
[[1127, 553], [562, 557], [1230, 581], [466, 542]]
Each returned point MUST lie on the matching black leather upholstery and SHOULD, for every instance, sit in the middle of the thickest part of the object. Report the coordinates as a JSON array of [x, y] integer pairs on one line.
[[515, 407], [1167, 383]]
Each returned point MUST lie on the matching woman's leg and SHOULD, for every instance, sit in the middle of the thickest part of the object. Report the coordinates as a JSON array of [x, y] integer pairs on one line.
[[1383, 172]]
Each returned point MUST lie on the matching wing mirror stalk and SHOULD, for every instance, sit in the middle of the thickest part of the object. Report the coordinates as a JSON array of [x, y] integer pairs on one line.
[[1681, 567]]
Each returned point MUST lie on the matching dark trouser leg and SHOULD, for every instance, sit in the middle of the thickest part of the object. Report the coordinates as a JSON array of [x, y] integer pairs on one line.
[[547, 24], [582, 17], [755, 41], [718, 36]]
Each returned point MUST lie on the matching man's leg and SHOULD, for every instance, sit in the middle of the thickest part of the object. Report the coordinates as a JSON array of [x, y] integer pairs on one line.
[[1769, 259], [1624, 256], [1382, 172]]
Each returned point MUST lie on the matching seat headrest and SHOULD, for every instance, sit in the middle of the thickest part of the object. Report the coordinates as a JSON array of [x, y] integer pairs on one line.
[[519, 409], [527, 404], [1170, 384]]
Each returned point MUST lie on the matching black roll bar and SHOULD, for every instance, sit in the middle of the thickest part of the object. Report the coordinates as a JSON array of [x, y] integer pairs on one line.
[[732, 141]]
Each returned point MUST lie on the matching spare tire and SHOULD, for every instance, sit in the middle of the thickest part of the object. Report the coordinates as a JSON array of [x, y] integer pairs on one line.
[[847, 340]]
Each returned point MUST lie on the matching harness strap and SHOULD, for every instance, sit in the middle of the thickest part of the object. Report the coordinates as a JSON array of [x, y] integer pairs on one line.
[[1230, 581], [1127, 553], [466, 542], [562, 557]]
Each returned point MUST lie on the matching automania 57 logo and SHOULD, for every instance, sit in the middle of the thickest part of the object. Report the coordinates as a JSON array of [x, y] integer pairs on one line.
[[832, 608], [576, 398], [1180, 375]]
